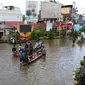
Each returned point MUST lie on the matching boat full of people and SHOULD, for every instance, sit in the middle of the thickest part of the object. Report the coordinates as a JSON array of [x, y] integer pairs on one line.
[[28, 53]]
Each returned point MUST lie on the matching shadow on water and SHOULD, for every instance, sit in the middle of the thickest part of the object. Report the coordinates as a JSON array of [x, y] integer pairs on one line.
[[73, 45], [15, 59], [24, 71], [24, 68], [43, 58], [50, 42], [62, 41]]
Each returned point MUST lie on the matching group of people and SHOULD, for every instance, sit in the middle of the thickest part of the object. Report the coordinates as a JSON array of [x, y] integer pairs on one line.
[[23, 51], [26, 52]]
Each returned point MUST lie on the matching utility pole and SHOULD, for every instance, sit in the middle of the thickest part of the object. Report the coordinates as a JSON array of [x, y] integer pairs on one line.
[[74, 10]]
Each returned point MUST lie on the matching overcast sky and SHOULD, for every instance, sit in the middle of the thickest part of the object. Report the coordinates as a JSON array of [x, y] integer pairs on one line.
[[21, 3]]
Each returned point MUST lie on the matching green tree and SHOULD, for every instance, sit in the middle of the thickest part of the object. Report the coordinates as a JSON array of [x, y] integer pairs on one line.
[[50, 34], [74, 34], [36, 34], [23, 17], [63, 33], [33, 36]]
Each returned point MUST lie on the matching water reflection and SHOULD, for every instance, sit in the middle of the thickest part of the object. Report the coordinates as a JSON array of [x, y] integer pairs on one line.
[[73, 45], [15, 59], [80, 45], [43, 58], [24, 68]]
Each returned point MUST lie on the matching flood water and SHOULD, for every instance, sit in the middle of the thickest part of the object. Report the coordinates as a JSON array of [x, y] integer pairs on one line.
[[54, 69]]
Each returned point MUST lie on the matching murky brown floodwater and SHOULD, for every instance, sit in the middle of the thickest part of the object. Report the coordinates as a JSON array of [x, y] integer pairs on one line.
[[55, 69]]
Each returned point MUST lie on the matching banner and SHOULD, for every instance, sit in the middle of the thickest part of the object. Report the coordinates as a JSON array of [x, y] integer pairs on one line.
[[49, 26], [77, 27], [65, 10], [31, 11], [59, 28]]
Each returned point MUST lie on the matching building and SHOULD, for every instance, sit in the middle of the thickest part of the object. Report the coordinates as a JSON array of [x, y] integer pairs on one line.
[[51, 10], [10, 13], [67, 12]]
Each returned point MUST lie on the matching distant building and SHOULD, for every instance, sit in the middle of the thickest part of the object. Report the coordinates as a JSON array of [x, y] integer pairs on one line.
[[10, 17], [10, 13], [51, 10]]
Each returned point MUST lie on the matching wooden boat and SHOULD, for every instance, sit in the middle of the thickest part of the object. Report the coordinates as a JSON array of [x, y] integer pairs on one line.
[[36, 55], [34, 58]]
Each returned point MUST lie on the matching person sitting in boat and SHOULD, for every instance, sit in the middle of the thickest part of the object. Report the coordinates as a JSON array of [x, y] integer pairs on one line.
[[31, 48], [26, 45], [19, 47], [14, 49], [30, 51], [42, 45], [39, 46]]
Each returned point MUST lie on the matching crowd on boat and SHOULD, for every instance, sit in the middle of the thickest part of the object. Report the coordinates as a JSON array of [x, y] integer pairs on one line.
[[27, 52]]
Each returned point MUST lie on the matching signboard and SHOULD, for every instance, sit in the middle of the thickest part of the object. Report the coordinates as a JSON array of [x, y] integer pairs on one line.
[[31, 11], [25, 28], [65, 10], [49, 26], [59, 28], [77, 27]]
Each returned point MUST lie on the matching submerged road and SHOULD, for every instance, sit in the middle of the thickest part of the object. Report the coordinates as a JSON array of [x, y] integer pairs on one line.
[[54, 69]]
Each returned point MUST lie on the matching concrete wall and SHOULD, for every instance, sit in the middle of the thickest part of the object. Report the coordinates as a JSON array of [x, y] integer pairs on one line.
[[50, 10]]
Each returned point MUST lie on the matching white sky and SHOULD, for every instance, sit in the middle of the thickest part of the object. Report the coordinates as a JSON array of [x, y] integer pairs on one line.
[[21, 3]]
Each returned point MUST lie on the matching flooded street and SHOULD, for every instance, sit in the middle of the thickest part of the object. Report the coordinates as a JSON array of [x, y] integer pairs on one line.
[[54, 69]]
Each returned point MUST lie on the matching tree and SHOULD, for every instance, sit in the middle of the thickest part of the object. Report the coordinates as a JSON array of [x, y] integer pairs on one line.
[[23, 17], [36, 34], [74, 34], [63, 33], [50, 34]]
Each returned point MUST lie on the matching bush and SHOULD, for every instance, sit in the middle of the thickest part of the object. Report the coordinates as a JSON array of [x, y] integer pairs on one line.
[[74, 34], [77, 74], [50, 34], [63, 33], [36, 34], [82, 62]]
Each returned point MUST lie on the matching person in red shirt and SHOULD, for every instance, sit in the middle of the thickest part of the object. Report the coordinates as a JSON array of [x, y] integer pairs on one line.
[[19, 41]]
